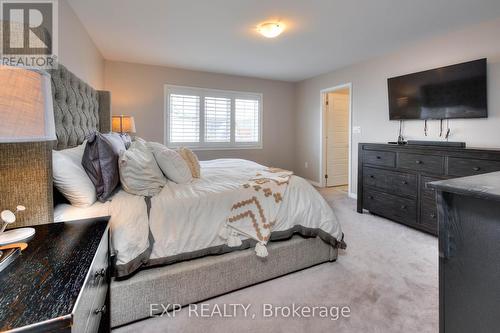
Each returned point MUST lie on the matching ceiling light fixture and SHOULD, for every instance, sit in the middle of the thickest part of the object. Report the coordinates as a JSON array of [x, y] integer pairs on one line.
[[271, 29]]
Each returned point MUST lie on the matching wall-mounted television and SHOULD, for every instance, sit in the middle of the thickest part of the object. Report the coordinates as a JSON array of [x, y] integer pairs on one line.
[[457, 91]]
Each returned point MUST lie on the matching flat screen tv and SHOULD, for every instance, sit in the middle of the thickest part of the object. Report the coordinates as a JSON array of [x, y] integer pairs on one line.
[[457, 91]]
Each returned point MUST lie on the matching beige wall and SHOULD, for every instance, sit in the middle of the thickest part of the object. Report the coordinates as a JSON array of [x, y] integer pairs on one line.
[[370, 102], [76, 50], [138, 90]]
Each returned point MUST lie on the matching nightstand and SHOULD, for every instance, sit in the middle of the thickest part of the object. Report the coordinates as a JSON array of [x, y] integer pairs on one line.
[[60, 282]]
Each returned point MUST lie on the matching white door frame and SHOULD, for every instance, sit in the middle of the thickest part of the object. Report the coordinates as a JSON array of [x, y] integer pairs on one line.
[[322, 160]]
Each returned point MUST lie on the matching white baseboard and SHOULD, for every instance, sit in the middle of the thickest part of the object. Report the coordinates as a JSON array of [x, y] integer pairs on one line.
[[314, 183]]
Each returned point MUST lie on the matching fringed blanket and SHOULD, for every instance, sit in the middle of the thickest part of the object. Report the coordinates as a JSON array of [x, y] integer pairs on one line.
[[256, 207]]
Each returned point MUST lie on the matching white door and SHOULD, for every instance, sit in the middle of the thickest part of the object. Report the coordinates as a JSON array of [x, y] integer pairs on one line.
[[337, 142]]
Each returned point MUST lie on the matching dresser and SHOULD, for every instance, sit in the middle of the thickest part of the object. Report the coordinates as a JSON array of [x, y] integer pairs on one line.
[[392, 179], [60, 282], [469, 253]]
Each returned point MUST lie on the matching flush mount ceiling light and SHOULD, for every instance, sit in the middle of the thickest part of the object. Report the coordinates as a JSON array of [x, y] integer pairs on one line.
[[271, 29]]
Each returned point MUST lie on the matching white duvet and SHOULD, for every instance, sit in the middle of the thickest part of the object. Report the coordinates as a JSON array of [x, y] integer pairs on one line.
[[188, 217]]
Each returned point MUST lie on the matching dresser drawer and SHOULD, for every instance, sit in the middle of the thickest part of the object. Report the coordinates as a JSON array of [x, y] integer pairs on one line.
[[462, 167], [381, 158], [427, 163], [95, 289], [429, 214], [390, 206], [392, 181], [98, 308]]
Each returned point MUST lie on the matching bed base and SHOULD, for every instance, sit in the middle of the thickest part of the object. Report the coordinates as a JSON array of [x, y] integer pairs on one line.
[[200, 279]]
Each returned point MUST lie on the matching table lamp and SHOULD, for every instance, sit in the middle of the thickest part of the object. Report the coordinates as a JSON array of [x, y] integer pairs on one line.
[[123, 124], [26, 115]]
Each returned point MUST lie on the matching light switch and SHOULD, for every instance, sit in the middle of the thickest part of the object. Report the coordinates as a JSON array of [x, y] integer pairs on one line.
[[356, 129]]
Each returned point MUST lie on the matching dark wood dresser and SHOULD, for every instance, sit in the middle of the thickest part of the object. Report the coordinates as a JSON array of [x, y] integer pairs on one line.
[[392, 178], [60, 282], [469, 254]]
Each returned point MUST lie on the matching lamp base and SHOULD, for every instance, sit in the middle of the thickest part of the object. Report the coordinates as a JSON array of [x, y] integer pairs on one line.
[[16, 236]]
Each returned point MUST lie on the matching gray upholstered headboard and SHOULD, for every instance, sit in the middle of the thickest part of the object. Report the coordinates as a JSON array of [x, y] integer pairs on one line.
[[79, 109]]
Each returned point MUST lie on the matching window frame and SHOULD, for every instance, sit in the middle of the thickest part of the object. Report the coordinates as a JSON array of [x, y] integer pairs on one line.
[[217, 93]]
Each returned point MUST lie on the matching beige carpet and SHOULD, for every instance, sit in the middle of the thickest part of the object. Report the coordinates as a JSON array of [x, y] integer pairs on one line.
[[388, 276]]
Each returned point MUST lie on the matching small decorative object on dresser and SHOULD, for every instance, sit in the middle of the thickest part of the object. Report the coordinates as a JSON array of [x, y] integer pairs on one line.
[[61, 285], [392, 178], [469, 253]]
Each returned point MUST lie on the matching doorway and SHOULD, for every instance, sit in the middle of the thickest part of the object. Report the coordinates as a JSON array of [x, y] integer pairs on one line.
[[336, 136]]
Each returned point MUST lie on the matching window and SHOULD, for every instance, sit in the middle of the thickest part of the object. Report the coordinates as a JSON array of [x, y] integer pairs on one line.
[[247, 120], [184, 118], [212, 119], [217, 119]]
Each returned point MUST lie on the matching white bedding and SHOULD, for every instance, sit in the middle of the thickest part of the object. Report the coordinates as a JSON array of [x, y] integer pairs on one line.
[[188, 217], [66, 212]]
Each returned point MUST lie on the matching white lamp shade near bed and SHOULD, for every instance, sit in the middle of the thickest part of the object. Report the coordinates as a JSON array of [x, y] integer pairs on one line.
[[26, 111], [123, 124]]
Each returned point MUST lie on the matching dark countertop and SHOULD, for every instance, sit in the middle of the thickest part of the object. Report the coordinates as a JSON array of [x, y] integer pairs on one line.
[[437, 148], [43, 283], [485, 186]]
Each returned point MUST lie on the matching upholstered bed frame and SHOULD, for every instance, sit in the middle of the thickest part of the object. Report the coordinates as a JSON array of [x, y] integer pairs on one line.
[[80, 110]]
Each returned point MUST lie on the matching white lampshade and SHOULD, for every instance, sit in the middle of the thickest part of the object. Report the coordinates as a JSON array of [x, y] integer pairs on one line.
[[26, 111], [123, 124]]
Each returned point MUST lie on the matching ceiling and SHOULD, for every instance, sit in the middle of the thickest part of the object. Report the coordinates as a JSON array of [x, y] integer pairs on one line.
[[220, 36]]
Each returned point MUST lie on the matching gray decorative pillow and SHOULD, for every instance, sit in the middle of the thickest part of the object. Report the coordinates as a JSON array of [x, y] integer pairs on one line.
[[139, 171], [100, 161]]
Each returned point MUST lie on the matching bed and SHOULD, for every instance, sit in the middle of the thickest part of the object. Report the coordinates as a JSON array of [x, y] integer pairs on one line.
[[168, 248]]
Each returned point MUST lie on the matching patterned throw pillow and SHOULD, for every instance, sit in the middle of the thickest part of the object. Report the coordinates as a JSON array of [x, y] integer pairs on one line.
[[191, 160]]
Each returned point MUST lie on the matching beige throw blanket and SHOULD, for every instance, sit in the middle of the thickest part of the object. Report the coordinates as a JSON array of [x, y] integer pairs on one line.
[[256, 207]]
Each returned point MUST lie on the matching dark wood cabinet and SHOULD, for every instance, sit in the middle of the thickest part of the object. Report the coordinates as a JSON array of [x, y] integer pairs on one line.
[[60, 282], [469, 254], [392, 178]]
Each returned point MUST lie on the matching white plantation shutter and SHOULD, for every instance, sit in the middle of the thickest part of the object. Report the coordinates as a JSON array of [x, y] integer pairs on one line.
[[212, 119], [184, 118], [217, 119], [247, 120]]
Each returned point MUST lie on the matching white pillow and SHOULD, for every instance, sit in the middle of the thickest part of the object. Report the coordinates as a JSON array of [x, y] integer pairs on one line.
[[116, 142], [70, 178], [139, 172], [171, 163]]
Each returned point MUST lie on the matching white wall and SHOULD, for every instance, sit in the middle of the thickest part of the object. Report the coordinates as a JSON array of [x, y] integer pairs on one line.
[[370, 101], [138, 90], [77, 51]]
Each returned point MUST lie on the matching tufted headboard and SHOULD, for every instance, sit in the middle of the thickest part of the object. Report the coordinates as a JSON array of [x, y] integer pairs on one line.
[[79, 109]]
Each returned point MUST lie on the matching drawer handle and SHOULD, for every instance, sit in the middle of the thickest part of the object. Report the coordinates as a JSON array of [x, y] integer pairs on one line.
[[370, 197], [378, 157], [102, 310], [372, 176], [418, 162], [404, 182], [476, 168], [100, 273], [403, 207]]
